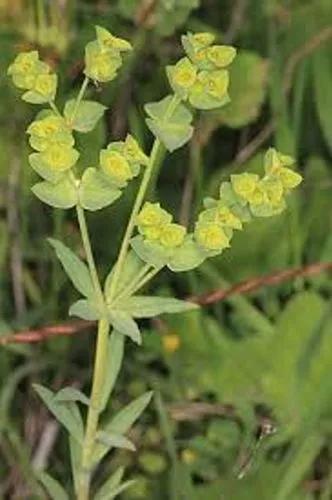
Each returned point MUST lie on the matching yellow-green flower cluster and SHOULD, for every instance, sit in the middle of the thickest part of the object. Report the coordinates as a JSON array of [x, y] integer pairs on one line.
[[103, 55], [247, 195], [156, 225], [266, 196], [201, 77], [51, 137], [34, 76], [121, 161]]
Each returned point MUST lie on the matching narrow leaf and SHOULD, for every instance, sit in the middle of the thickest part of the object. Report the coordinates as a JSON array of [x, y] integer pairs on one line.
[[84, 309], [67, 413], [132, 266], [110, 484], [119, 489], [75, 449], [149, 306], [52, 486], [115, 441], [115, 350], [76, 270], [124, 323], [71, 394]]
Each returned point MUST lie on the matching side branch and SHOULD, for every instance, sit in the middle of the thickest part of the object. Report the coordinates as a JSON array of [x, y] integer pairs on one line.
[[217, 295]]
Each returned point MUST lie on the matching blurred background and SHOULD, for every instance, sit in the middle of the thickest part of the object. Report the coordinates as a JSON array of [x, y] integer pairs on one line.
[[244, 386]]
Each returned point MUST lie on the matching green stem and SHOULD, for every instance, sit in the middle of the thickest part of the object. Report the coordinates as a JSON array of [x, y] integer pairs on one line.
[[89, 254], [138, 202], [54, 108], [145, 280], [128, 290], [100, 365], [79, 98]]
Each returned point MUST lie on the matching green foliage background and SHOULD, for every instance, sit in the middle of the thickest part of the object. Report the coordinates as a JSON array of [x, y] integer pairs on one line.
[[253, 361]]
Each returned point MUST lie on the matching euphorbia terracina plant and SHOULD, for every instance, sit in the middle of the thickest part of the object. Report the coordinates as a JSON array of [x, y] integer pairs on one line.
[[198, 81]]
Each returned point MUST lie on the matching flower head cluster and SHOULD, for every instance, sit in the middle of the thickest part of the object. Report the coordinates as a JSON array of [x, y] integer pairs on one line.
[[34, 76], [103, 55], [51, 137], [156, 225], [247, 195], [201, 77], [121, 161]]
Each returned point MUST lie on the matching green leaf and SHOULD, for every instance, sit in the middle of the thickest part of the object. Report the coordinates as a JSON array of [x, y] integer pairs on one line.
[[151, 253], [188, 256], [76, 270], [87, 116], [71, 394], [247, 89], [110, 484], [132, 266], [75, 450], [84, 309], [125, 418], [115, 441], [67, 413], [52, 486], [124, 323], [60, 195], [122, 422], [115, 349], [119, 489], [174, 131], [44, 170], [148, 307], [95, 192]]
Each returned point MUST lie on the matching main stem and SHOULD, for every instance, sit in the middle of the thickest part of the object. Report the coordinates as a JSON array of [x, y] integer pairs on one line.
[[138, 202], [99, 368]]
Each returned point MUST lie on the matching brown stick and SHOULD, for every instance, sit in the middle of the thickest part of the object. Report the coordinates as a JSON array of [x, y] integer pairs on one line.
[[70, 328], [255, 283]]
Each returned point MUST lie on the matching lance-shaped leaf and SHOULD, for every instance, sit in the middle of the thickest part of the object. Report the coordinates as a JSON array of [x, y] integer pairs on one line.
[[173, 130], [76, 270], [124, 323], [60, 195], [84, 309], [115, 441], [115, 349], [67, 413], [71, 394], [95, 192], [52, 486], [114, 492], [122, 422], [110, 484], [87, 115], [132, 266], [148, 306]]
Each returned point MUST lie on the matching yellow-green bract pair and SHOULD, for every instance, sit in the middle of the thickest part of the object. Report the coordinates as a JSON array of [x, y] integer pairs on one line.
[[103, 56], [34, 76], [201, 77]]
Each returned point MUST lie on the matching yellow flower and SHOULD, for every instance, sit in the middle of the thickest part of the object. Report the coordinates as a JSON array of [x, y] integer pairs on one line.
[[221, 55], [171, 342], [101, 65], [153, 215], [201, 40], [274, 189], [133, 152], [24, 63], [226, 217], [184, 73], [59, 158], [245, 184], [115, 166], [216, 83], [49, 130], [211, 236], [172, 235], [188, 456], [151, 233], [46, 85]]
